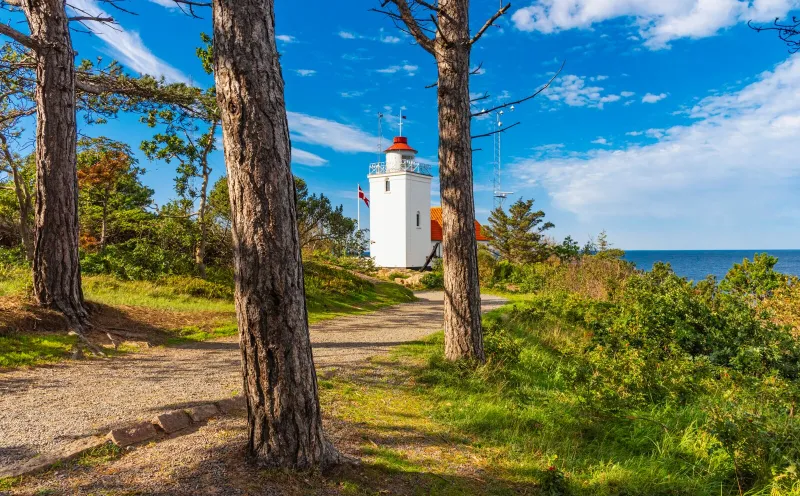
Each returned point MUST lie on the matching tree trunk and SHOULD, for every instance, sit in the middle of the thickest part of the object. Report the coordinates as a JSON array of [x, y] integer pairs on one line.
[[24, 202], [200, 252], [56, 267], [280, 383], [103, 224], [462, 303]]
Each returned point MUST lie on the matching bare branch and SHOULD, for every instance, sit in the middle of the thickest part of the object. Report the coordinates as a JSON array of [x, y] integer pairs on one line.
[[477, 69], [407, 16], [91, 18], [17, 36], [498, 131], [489, 23], [482, 97], [788, 32], [508, 104]]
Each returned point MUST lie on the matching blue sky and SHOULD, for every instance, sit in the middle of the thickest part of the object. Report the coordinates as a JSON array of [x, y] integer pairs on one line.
[[672, 126]]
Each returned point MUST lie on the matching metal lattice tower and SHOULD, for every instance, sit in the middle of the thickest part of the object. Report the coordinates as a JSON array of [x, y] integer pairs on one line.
[[497, 190]]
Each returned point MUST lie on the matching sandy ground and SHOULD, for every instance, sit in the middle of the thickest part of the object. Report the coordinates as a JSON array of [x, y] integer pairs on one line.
[[44, 408]]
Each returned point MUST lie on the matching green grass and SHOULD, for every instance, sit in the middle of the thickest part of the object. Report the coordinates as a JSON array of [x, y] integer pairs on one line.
[[525, 417], [330, 293], [193, 334], [26, 350]]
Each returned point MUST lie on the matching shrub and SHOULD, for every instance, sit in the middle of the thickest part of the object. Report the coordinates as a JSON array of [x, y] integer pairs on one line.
[[137, 260], [754, 280], [500, 344], [432, 280]]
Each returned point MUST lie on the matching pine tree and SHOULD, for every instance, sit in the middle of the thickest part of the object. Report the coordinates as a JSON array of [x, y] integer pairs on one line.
[[518, 236]]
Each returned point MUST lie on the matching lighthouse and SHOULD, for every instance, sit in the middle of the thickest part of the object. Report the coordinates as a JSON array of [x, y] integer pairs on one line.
[[400, 208]]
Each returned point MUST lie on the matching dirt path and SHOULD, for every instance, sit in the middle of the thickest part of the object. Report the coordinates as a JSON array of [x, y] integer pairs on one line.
[[45, 407]]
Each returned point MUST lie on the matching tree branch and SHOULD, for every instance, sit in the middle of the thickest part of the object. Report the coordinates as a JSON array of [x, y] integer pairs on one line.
[[489, 23], [17, 36], [91, 18], [508, 104], [413, 26], [498, 131]]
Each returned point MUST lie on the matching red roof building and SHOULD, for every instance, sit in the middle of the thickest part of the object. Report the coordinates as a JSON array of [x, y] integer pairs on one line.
[[436, 226]]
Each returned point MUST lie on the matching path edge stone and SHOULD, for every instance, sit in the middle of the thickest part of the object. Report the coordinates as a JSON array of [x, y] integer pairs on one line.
[[130, 435]]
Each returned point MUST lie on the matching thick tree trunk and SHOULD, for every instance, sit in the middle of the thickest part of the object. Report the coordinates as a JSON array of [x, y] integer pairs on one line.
[[462, 304], [280, 383], [56, 267], [24, 201]]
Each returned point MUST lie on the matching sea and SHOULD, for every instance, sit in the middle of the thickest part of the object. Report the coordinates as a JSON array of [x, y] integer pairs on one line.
[[697, 264]]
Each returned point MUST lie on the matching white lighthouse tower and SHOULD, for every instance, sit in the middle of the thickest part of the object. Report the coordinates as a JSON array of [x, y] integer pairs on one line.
[[400, 208]]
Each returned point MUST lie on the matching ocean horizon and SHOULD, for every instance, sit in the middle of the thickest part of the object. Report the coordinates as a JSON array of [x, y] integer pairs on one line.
[[697, 264]]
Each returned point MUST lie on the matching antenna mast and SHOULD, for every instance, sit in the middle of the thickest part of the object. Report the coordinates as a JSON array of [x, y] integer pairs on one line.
[[380, 136], [499, 194]]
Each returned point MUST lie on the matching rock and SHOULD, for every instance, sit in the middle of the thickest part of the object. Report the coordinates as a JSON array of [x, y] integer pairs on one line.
[[173, 421], [203, 412], [230, 405], [127, 436], [43, 462]]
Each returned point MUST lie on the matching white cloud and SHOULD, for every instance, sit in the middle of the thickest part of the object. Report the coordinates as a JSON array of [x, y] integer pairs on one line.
[[165, 3], [735, 164], [600, 141], [393, 69], [573, 91], [626, 94], [347, 35], [330, 134], [307, 158], [352, 94], [658, 21], [286, 38], [127, 46], [305, 72], [651, 98], [386, 38]]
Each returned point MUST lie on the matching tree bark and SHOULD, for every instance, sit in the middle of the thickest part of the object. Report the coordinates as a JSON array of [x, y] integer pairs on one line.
[[462, 304], [56, 267], [280, 383], [103, 224], [24, 200], [200, 252]]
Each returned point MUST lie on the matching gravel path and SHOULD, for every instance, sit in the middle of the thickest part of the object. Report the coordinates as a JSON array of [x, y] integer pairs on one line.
[[46, 407]]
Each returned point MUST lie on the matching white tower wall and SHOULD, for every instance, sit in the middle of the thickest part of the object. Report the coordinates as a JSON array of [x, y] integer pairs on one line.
[[400, 218]]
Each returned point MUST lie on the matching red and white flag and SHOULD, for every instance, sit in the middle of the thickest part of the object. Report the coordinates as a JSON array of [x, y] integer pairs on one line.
[[363, 196]]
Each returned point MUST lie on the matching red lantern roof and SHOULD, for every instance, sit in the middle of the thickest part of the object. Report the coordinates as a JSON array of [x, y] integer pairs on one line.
[[400, 145]]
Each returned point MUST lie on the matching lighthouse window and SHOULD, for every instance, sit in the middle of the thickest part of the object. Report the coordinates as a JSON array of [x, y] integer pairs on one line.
[[388, 186], [417, 218]]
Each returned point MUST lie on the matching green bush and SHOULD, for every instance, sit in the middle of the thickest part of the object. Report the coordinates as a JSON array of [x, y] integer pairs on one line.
[[499, 342], [137, 260], [432, 280]]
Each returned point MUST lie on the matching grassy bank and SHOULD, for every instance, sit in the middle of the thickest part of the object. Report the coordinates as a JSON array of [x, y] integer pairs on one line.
[[168, 311]]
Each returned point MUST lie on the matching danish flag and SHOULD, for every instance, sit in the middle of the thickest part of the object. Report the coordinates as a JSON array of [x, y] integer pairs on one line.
[[363, 196]]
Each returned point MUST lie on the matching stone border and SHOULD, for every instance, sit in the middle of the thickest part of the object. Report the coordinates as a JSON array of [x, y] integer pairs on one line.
[[160, 426]]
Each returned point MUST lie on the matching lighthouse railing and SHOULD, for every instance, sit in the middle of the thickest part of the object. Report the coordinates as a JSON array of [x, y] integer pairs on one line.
[[404, 166]]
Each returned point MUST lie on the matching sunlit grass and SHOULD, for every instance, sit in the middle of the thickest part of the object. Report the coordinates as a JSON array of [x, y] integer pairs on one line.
[[330, 293], [26, 350]]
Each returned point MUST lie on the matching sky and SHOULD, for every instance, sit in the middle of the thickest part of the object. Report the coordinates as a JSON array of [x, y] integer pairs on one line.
[[672, 125]]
